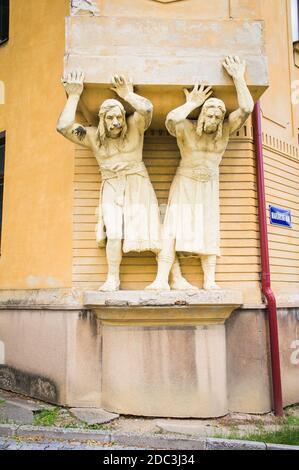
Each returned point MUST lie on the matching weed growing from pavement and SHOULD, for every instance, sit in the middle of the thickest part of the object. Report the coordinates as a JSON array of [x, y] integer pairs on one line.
[[5, 421], [288, 433], [286, 429], [61, 417], [47, 417]]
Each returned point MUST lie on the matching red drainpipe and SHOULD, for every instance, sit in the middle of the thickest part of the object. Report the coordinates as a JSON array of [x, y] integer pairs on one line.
[[266, 280]]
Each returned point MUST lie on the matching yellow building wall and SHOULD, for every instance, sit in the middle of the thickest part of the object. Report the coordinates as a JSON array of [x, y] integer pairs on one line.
[[280, 126], [37, 216]]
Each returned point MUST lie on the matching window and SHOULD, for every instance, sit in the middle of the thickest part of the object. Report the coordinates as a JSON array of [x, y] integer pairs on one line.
[[2, 161], [4, 21], [295, 19], [295, 29]]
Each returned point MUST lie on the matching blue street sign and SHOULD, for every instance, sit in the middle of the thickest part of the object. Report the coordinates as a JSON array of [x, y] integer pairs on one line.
[[279, 216]]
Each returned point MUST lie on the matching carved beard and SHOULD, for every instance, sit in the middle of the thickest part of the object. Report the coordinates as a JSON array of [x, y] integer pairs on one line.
[[110, 133], [200, 129], [103, 133]]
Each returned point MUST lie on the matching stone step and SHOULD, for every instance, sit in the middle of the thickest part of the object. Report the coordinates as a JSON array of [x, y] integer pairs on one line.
[[93, 415]]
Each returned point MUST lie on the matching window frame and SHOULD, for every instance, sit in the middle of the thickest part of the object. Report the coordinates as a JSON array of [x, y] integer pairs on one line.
[[2, 144], [4, 21]]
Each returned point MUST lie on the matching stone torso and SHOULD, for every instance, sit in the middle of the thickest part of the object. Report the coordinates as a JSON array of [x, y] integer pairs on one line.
[[201, 151], [119, 153]]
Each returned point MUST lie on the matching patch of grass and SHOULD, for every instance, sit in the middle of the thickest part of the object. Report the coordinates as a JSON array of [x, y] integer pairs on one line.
[[82, 425], [47, 417], [291, 420], [62, 418], [286, 429], [96, 427], [287, 435], [159, 431], [5, 421], [2, 402]]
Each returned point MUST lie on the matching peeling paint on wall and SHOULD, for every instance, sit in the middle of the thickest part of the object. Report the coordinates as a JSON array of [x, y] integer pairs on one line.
[[35, 281], [167, 1], [83, 6]]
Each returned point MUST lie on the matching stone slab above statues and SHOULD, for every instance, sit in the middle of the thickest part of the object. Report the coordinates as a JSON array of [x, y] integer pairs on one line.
[[164, 57]]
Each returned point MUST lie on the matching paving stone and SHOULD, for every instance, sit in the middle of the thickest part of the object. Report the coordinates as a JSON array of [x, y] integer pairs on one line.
[[68, 434], [16, 413], [34, 446], [7, 430], [231, 444], [93, 415], [18, 410], [14, 446], [55, 446], [281, 447], [158, 442], [189, 427], [4, 443], [30, 405]]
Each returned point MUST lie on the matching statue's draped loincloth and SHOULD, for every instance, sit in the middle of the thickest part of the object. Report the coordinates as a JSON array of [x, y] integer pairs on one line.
[[128, 208], [192, 214]]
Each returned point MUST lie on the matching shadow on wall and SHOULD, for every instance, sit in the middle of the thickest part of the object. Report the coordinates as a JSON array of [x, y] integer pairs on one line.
[[29, 384]]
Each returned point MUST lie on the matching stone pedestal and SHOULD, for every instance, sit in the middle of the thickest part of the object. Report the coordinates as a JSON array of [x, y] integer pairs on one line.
[[164, 354]]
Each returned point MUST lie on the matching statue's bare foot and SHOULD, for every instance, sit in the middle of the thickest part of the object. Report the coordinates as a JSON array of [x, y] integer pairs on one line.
[[158, 285], [182, 284], [111, 285], [211, 286]]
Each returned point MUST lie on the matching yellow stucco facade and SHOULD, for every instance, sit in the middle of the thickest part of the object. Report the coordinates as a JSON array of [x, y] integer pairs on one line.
[[37, 233]]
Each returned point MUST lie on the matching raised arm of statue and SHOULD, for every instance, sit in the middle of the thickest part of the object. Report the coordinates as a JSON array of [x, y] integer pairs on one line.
[[194, 99], [236, 69], [66, 124], [124, 88]]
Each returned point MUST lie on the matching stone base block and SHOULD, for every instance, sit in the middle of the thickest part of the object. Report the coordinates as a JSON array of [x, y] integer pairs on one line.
[[145, 353], [176, 371], [164, 353], [51, 355]]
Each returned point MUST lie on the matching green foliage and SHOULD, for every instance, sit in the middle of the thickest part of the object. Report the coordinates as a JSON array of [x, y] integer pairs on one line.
[[62, 418], [47, 417], [99, 427], [287, 432], [286, 435], [291, 420]]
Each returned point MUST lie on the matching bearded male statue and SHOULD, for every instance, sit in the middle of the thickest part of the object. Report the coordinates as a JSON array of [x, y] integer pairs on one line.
[[129, 216], [191, 224]]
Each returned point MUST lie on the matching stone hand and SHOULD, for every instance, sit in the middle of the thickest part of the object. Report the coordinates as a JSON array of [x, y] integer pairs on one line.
[[198, 95], [122, 86], [234, 66], [73, 83]]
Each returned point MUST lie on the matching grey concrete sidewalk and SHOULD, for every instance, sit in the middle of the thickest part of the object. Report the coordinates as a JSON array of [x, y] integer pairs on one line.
[[24, 419], [108, 440], [12, 444]]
